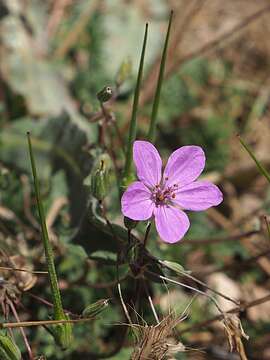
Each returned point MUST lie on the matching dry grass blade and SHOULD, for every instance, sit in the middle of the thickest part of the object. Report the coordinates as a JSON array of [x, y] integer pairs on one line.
[[155, 342]]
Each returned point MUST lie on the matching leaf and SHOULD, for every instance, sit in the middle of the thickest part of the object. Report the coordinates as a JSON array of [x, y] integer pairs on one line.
[[57, 302], [58, 144], [95, 235], [119, 44], [38, 80], [177, 98], [48, 140]]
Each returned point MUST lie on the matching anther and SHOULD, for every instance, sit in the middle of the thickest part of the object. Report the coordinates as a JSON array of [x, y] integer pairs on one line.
[[161, 197]]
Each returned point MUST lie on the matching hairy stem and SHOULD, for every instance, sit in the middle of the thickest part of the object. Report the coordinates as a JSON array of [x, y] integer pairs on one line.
[[57, 302]]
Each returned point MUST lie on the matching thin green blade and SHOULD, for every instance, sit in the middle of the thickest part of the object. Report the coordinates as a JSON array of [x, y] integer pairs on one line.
[[260, 167], [152, 127], [58, 309], [133, 122]]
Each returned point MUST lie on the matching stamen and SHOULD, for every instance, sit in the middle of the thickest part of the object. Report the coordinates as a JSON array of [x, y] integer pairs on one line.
[[161, 197]]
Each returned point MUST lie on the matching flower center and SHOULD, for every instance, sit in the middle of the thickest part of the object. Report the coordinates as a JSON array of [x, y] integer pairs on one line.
[[162, 195]]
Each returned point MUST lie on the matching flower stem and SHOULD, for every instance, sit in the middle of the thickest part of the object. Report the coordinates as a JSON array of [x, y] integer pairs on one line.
[[152, 127], [146, 234], [57, 302], [28, 347], [133, 122]]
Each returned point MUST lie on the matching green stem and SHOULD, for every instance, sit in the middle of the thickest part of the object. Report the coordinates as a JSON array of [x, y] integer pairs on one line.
[[152, 127], [57, 302], [133, 121], [261, 168], [148, 228]]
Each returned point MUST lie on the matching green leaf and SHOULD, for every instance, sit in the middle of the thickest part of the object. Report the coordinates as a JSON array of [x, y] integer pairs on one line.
[[39, 81], [94, 234], [62, 333], [48, 139], [58, 144], [177, 98]]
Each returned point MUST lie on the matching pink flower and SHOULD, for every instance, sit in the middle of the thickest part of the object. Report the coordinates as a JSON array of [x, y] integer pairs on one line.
[[166, 196]]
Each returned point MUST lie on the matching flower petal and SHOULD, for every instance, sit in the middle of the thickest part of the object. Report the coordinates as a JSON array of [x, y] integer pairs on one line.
[[148, 163], [199, 195], [136, 202], [171, 223], [184, 165]]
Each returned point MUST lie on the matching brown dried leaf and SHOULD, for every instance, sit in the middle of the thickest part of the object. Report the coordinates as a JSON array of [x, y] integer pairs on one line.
[[235, 332], [22, 280]]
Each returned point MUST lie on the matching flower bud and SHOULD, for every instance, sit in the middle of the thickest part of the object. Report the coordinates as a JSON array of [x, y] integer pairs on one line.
[[8, 349], [100, 181], [96, 308], [174, 266], [105, 94]]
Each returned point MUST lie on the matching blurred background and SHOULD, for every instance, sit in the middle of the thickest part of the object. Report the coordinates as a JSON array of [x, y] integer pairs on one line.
[[55, 56]]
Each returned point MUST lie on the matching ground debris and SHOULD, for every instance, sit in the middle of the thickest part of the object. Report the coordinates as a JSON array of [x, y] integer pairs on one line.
[[157, 342], [235, 332]]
